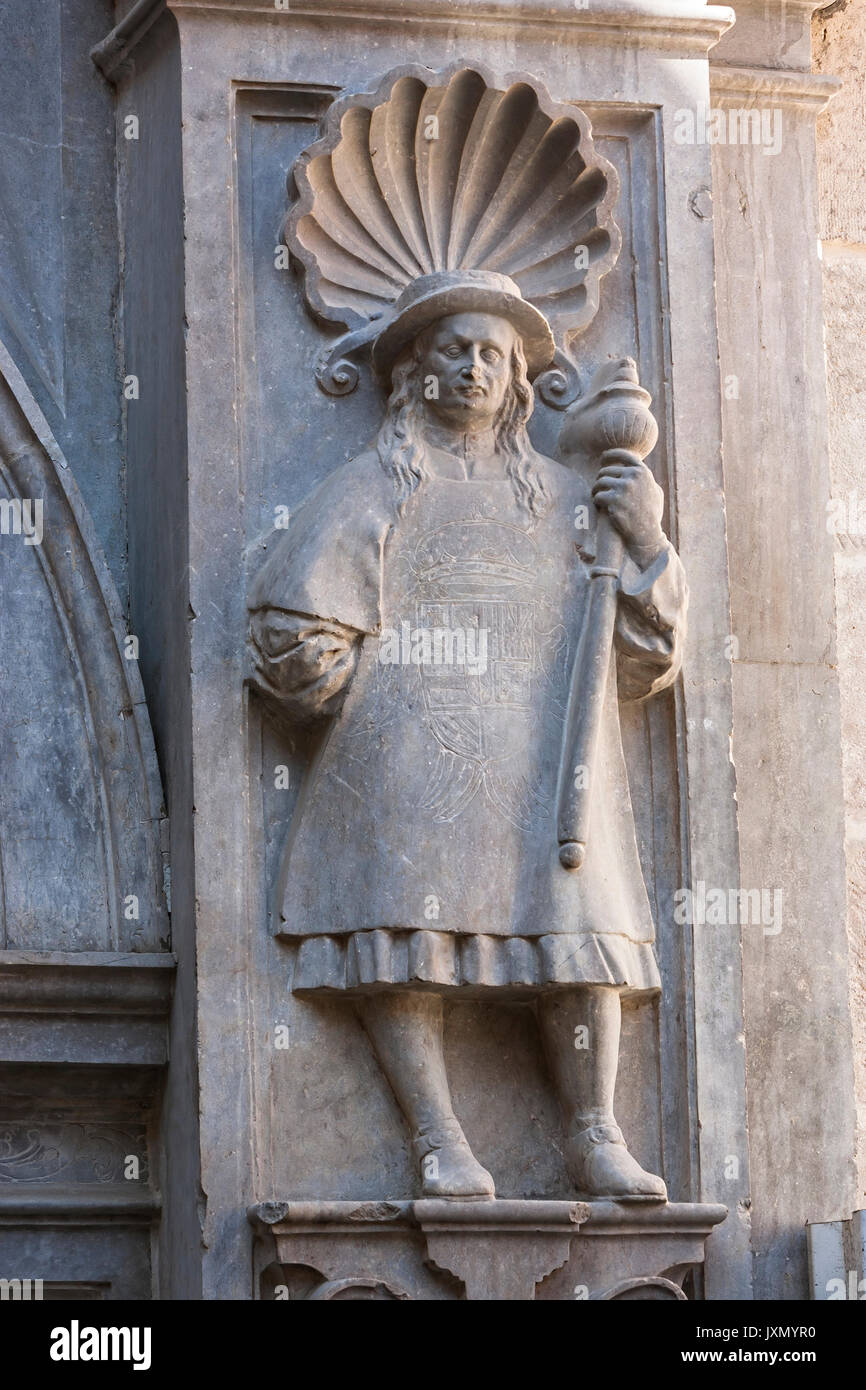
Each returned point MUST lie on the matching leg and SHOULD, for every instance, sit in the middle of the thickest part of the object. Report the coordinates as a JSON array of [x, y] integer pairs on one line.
[[405, 1029], [580, 1029]]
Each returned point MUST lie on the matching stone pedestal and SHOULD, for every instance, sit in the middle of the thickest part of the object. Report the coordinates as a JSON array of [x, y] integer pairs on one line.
[[496, 1250]]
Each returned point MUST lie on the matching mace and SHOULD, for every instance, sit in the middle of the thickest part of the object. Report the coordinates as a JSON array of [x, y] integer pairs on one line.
[[613, 414]]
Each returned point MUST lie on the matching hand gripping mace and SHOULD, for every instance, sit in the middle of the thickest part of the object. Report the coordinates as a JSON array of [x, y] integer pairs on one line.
[[613, 414]]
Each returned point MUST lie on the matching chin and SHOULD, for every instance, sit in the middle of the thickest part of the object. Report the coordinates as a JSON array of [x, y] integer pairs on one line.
[[477, 408]]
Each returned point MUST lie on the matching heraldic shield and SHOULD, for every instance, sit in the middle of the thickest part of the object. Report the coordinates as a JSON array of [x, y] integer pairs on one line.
[[477, 601]]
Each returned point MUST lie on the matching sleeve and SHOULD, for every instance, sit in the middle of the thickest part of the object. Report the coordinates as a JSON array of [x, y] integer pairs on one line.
[[302, 664], [318, 593], [328, 562], [651, 624]]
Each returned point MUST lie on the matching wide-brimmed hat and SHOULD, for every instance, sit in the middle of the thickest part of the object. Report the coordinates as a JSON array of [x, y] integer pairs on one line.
[[450, 192], [432, 297]]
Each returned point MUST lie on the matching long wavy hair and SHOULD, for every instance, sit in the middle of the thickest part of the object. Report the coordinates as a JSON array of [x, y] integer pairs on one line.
[[400, 442]]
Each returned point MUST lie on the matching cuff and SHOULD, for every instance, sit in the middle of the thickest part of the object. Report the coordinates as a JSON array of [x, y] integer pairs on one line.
[[655, 588]]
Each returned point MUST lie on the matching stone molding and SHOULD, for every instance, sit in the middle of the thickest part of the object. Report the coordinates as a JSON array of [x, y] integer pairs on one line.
[[86, 982], [497, 1250], [734, 85], [465, 1239], [91, 1206], [98, 1008], [691, 22], [668, 25]]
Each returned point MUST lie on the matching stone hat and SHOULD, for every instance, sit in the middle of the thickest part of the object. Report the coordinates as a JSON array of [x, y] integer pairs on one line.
[[429, 298], [449, 192]]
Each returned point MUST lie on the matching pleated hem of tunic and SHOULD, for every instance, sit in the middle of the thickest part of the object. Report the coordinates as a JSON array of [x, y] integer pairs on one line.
[[384, 957]]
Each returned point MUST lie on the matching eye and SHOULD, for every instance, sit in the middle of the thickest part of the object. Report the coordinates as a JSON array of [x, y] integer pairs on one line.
[[452, 351], [491, 355]]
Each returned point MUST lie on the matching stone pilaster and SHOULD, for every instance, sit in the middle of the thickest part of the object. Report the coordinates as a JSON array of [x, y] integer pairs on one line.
[[786, 744]]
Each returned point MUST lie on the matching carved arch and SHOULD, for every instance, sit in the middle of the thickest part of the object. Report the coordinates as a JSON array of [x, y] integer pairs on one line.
[[81, 802]]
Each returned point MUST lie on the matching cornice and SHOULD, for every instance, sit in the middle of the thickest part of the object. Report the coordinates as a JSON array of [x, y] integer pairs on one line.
[[79, 983], [94, 1008], [693, 23], [732, 85], [764, 8], [55, 1204], [665, 23]]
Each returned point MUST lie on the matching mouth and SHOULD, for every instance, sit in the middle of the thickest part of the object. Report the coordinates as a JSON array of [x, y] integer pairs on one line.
[[472, 393]]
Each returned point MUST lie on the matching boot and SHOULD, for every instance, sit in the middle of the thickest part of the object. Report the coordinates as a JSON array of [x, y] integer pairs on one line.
[[601, 1166], [448, 1166]]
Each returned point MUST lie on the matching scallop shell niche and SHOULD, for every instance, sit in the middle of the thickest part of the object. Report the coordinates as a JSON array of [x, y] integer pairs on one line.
[[446, 172]]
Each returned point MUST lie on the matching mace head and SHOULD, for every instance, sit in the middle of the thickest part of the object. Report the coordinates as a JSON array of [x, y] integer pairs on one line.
[[613, 413]]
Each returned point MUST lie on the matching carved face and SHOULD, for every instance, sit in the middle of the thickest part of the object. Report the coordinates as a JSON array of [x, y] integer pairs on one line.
[[469, 355]]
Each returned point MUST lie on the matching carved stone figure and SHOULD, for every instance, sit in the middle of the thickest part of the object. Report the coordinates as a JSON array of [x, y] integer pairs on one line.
[[429, 606]]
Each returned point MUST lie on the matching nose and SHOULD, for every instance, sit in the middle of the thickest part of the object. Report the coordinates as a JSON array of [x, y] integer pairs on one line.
[[472, 364]]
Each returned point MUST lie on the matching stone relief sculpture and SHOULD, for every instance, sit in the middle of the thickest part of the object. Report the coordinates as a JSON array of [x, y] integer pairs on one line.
[[461, 615]]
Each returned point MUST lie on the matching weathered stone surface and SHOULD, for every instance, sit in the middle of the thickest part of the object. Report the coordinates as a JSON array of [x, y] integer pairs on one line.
[[500, 1250], [839, 49], [272, 1089], [59, 247], [101, 1008], [837, 1258], [289, 438], [839, 46], [85, 973], [78, 1205], [798, 1025], [466, 766], [163, 608], [785, 742], [82, 804]]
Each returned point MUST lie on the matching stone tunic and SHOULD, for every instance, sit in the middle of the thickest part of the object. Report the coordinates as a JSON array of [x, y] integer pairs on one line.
[[423, 851]]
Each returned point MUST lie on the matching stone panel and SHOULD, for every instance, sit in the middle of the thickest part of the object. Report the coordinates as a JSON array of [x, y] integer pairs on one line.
[[59, 247], [82, 803], [798, 1027]]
